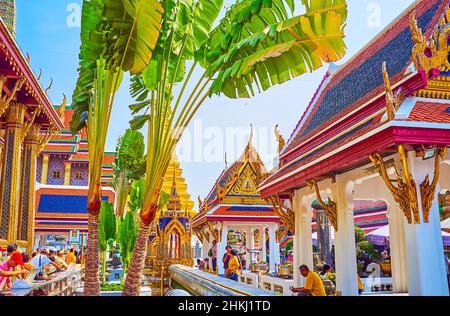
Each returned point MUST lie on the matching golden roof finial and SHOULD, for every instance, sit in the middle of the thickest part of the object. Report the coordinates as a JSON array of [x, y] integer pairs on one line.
[[390, 100], [280, 139], [49, 86], [40, 74], [62, 109]]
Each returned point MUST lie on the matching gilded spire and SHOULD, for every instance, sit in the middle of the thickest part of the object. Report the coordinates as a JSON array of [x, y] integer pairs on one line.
[[8, 15]]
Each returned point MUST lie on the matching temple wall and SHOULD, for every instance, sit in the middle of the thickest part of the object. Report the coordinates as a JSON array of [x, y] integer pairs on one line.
[[56, 164]]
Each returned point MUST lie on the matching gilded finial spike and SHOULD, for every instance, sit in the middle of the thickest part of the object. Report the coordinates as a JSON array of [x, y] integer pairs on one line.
[[40, 75], [62, 109], [280, 139], [28, 58], [49, 86]]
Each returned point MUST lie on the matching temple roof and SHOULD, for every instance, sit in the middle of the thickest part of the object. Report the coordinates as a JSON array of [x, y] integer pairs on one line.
[[348, 112], [62, 208], [234, 196], [75, 145], [360, 79], [14, 66]]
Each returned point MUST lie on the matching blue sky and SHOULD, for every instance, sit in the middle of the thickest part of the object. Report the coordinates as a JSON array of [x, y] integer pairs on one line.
[[45, 30]]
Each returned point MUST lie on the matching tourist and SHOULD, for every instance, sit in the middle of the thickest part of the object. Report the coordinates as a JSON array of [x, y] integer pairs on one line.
[[233, 266], [328, 279], [360, 285], [42, 262], [9, 251], [59, 260], [313, 285], [7, 270], [200, 264], [26, 259], [70, 257], [206, 264], [226, 258]]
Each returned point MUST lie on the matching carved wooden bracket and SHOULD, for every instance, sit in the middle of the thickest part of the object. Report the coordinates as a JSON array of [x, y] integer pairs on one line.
[[427, 190], [287, 216], [329, 208], [45, 138], [405, 193], [27, 125], [5, 100], [214, 232]]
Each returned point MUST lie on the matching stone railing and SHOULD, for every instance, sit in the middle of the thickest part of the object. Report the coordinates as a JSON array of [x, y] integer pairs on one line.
[[267, 282], [200, 283], [63, 284]]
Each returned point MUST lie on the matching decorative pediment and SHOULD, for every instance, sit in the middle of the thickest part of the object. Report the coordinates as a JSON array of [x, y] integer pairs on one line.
[[245, 184]]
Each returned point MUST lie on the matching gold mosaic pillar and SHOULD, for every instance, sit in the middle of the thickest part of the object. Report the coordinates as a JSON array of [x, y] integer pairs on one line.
[[67, 173], [44, 168], [9, 184], [25, 232]]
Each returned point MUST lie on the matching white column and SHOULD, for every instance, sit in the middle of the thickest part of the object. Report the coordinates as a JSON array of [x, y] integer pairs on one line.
[[262, 238], [252, 244], [272, 237], [425, 254], [248, 245], [345, 249], [303, 251], [276, 248], [397, 245], [221, 244]]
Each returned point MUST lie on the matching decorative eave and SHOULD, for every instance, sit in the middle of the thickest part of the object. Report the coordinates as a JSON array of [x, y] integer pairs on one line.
[[21, 67]]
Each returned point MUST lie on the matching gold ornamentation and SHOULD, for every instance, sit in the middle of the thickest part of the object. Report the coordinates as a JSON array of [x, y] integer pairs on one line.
[[5, 100], [62, 109], [392, 102], [280, 139], [49, 86], [405, 193], [246, 183], [329, 208], [432, 53], [286, 214], [27, 125], [214, 232], [40, 75], [43, 139], [438, 88], [427, 190]]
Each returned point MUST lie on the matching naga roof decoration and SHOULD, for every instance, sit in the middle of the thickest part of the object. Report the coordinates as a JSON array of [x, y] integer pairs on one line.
[[342, 126]]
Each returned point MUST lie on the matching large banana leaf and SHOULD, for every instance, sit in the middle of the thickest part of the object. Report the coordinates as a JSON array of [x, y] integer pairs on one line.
[[107, 225], [134, 28], [127, 237], [93, 44], [279, 53]]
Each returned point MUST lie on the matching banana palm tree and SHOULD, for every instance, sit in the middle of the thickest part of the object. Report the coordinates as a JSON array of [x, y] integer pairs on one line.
[[129, 165], [257, 44], [116, 37]]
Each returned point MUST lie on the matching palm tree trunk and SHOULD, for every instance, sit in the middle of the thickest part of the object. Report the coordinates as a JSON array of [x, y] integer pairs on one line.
[[134, 271], [91, 275]]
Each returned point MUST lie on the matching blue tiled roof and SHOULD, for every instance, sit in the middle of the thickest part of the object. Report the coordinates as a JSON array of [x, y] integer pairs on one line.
[[368, 76], [70, 204]]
